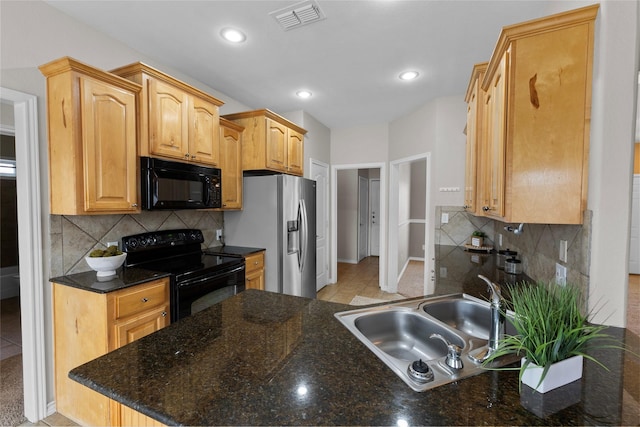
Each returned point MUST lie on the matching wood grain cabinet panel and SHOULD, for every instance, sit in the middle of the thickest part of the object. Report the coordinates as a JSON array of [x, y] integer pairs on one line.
[[92, 124], [537, 107], [474, 145], [177, 121], [231, 164], [87, 325], [254, 271], [270, 142]]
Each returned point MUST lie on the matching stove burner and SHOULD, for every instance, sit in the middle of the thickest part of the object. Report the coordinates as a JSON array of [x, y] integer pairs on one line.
[[420, 371]]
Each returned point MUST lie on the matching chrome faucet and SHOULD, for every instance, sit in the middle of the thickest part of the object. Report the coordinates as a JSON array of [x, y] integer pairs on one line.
[[497, 323]]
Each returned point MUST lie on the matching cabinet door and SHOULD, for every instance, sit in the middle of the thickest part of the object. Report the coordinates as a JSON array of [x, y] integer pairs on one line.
[[471, 158], [495, 112], [276, 149], [255, 280], [204, 139], [231, 165], [168, 120], [109, 147], [295, 153], [135, 327]]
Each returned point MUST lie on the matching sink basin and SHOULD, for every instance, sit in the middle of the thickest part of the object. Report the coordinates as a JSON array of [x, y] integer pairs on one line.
[[405, 334], [466, 315], [398, 334]]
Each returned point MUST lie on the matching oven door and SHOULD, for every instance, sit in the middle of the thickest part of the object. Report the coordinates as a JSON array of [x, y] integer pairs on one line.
[[195, 294]]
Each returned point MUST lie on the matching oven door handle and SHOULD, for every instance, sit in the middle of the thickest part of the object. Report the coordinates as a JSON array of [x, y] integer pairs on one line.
[[211, 277]]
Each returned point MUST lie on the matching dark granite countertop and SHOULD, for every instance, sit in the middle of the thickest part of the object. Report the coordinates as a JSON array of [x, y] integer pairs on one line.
[[226, 250], [262, 358], [124, 278]]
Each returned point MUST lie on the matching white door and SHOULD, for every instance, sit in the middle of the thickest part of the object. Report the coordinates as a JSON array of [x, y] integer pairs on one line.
[[320, 174], [363, 217], [374, 217], [634, 238]]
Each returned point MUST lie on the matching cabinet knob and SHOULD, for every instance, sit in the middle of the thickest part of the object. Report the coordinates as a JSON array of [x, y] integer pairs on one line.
[[486, 208], [134, 205], [186, 156], [145, 299], [255, 263], [164, 314], [193, 156], [465, 207]]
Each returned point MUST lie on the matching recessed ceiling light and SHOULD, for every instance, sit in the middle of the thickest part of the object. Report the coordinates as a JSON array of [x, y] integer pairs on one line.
[[408, 75], [304, 94], [233, 35]]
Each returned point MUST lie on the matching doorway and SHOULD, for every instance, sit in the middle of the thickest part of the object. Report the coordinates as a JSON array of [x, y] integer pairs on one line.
[[410, 232], [30, 250], [345, 219]]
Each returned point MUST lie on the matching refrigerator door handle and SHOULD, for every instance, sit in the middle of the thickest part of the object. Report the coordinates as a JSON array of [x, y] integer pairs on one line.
[[304, 233]]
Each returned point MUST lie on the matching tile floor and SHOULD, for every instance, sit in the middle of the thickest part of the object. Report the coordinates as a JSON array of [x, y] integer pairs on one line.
[[10, 331], [353, 279]]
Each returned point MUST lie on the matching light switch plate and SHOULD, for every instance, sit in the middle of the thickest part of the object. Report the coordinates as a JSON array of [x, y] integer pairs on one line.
[[218, 234], [563, 251], [444, 218], [113, 244]]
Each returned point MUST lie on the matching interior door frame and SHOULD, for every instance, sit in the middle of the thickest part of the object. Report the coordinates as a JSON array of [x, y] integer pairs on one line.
[[429, 262], [363, 210], [30, 251], [382, 267]]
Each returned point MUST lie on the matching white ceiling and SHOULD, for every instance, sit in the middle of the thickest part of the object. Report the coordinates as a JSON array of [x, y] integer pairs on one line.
[[350, 61]]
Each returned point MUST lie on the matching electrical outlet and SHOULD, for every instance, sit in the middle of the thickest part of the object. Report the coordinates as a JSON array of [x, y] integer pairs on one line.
[[561, 275], [113, 244], [219, 234], [443, 272], [444, 218]]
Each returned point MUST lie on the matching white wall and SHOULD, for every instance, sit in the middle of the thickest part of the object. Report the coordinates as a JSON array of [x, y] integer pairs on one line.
[[616, 63], [363, 144], [347, 209], [404, 211]]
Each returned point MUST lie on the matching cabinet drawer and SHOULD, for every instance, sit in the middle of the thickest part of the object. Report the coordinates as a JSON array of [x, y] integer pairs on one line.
[[254, 262], [131, 302]]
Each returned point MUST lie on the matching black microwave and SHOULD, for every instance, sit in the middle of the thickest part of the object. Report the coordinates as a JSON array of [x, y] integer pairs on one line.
[[174, 185]]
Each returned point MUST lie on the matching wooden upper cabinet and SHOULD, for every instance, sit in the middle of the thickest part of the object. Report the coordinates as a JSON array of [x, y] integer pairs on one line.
[[537, 115], [474, 144], [92, 124], [231, 164], [270, 142], [177, 121]]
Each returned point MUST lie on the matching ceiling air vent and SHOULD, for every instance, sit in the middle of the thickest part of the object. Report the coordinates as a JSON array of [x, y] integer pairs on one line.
[[297, 15]]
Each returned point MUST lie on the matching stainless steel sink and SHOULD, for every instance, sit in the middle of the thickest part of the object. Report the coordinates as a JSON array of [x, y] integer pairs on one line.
[[401, 335], [473, 317]]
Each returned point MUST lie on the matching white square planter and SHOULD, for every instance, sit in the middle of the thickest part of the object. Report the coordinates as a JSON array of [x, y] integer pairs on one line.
[[559, 374]]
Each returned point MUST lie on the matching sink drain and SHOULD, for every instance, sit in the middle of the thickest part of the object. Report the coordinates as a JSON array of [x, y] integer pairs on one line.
[[420, 371]]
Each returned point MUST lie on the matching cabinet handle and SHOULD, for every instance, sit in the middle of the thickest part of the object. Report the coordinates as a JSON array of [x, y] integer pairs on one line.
[[145, 299], [134, 205], [164, 314]]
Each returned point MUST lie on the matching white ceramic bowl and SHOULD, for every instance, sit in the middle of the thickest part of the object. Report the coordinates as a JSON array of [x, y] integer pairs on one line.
[[106, 266]]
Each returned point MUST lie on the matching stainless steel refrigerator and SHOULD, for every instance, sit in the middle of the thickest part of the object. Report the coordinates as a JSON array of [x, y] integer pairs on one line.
[[279, 214]]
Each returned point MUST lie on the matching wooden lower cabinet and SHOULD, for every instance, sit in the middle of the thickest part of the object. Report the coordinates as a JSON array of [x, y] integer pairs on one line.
[[88, 325], [254, 271]]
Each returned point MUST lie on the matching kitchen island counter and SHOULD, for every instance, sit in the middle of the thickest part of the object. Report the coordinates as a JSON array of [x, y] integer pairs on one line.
[[262, 358]]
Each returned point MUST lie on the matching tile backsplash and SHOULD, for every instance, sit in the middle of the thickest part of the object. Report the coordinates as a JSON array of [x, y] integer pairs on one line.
[[538, 246], [73, 237]]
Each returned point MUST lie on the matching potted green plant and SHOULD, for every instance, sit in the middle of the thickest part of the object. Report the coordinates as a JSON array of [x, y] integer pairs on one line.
[[552, 335], [477, 238]]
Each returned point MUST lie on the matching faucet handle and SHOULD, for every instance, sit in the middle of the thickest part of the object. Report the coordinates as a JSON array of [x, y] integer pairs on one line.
[[453, 352]]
